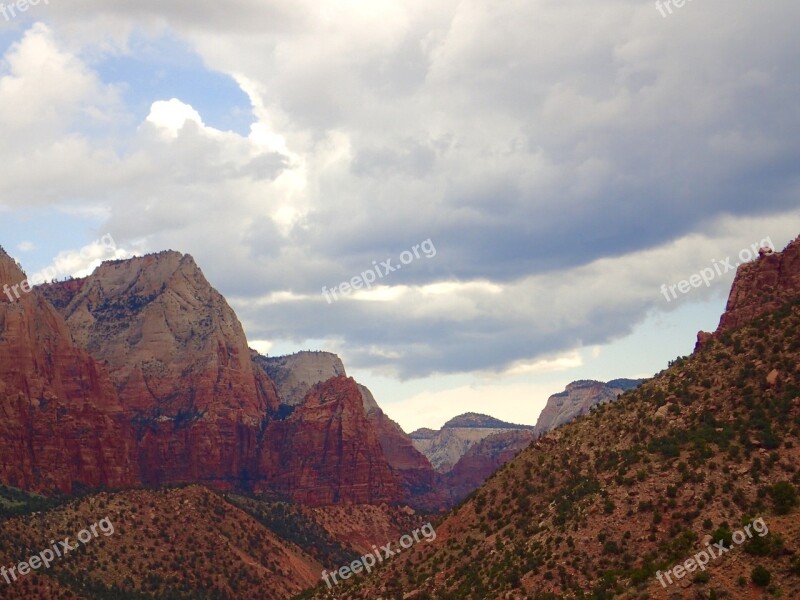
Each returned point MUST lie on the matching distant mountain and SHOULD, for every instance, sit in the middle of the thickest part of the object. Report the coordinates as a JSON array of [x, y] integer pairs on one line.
[[445, 447], [578, 399], [482, 459], [478, 421]]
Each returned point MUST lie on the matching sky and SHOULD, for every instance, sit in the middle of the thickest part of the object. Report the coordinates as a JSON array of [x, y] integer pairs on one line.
[[533, 171]]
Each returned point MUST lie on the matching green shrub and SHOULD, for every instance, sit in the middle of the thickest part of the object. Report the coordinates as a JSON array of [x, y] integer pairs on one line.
[[702, 577], [723, 533], [760, 576], [784, 497]]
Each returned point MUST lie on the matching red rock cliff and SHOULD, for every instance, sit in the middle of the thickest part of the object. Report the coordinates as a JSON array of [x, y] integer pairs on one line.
[[327, 452], [179, 359], [60, 417], [204, 409], [762, 286]]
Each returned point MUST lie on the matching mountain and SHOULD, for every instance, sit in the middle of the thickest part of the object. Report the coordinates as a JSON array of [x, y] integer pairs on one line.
[[469, 448], [482, 459], [326, 451], [201, 407], [702, 456], [579, 398], [61, 419], [479, 421], [298, 373], [445, 447], [179, 360]]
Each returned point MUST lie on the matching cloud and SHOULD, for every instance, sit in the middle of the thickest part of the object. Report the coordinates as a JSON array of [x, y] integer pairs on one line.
[[80, 263], [172, 115], [567, 159]]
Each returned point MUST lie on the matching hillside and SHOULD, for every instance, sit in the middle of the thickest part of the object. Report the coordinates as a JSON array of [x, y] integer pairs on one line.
[[599, 507], [155, 544], [183, 543]]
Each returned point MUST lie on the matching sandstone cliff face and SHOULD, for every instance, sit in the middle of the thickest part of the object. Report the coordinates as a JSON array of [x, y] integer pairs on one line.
[[445, 448], [60, 417], [416, 474], [326, 451], [762, 286], [204, 409], [179, 360], [294, 375], [578, 399]]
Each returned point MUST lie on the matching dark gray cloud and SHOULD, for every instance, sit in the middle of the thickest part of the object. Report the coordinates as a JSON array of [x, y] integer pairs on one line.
[[546, 149]]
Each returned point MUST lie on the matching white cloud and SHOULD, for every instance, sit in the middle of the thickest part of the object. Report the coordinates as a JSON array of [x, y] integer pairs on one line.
[[80, 263], [563, 156], [172, 115]]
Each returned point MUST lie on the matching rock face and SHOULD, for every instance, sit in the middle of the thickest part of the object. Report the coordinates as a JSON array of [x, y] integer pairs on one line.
[[199, 406], [326, 451], [445, 447], [482, 460], [417, 476], [762, 286], [61, 417], [294, 375], [578, 399], [179, 360]]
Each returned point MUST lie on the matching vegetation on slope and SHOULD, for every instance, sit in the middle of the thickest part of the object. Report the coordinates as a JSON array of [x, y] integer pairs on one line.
[[594, 509], [289, 522]]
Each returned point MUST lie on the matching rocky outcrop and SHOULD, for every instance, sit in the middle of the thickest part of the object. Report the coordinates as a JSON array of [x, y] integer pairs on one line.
[[444, 448], [294, 375], [578, 399], [61, 421], [327, 452], [180, 363], [762, 286]]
